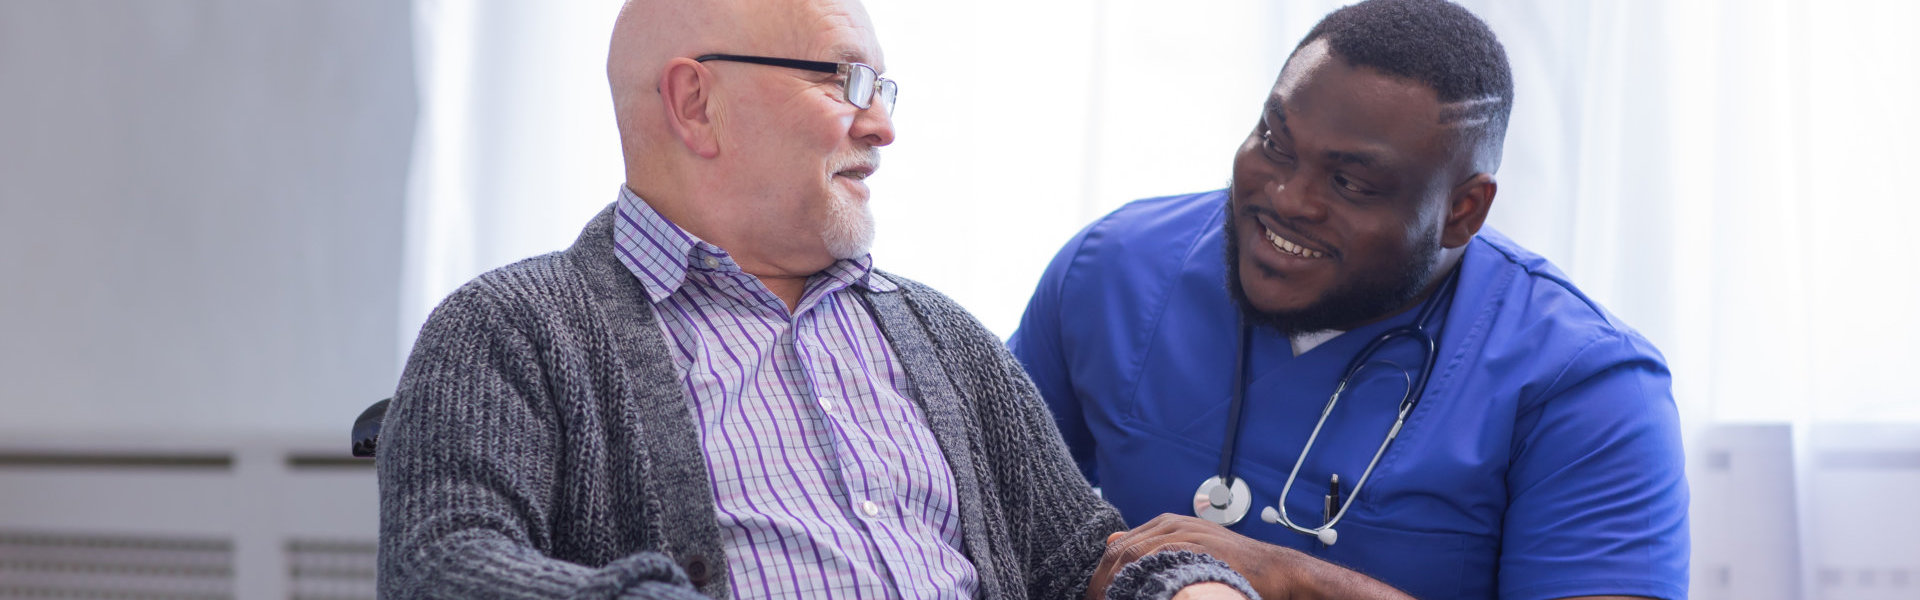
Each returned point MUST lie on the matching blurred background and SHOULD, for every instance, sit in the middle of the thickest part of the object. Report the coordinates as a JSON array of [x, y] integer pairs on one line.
[[222, 222]]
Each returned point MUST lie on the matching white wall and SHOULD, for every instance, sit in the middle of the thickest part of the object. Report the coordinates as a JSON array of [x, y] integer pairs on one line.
[[200, 212]]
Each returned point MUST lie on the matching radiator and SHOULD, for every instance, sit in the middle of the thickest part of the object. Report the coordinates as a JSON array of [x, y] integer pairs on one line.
[[141, 517]]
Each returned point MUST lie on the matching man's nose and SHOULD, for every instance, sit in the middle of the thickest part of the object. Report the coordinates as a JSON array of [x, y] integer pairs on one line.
[[1294, 198], [874, 124]]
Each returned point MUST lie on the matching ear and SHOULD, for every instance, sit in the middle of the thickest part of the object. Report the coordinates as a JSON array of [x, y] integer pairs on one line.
[[1467, 208], [686, 94]]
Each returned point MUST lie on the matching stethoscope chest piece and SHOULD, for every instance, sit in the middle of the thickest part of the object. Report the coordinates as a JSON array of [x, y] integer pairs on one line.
[[1221, 503]]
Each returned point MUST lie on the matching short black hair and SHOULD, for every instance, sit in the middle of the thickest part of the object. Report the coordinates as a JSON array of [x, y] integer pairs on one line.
[[1434, 42]]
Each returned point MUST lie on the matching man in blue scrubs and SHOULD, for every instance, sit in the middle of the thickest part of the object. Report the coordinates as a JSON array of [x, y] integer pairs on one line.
[[1541, 461]]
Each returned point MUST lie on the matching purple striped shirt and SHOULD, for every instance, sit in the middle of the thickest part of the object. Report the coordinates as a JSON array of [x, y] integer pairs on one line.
[[827, 481]]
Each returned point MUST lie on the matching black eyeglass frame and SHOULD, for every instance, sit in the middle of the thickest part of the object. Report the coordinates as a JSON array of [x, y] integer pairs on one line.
[[882, 88]]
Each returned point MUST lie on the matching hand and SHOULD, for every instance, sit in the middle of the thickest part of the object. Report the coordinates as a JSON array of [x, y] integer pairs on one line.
[[1276, 572], [1208, 591], [1265, 565]]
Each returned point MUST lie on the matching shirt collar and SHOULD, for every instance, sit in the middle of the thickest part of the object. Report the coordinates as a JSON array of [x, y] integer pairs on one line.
[[660, 254], [858, 272]]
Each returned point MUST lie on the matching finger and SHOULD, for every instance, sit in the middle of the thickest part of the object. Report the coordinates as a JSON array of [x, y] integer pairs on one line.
[[1168, 528], [1159, 526], [1114, 536], [1187, 546], [1134, 546], [1110, 563], [1169, 523]]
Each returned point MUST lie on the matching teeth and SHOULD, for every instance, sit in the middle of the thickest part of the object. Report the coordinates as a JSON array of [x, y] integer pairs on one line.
[[1290, 247]]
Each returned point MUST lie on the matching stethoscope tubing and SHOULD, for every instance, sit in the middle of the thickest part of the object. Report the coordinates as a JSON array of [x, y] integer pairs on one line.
[[1294, 475], [1233, 409], [1416, 387]]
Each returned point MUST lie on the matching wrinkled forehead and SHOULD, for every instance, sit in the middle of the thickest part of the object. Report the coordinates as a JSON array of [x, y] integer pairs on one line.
[[829, 30]]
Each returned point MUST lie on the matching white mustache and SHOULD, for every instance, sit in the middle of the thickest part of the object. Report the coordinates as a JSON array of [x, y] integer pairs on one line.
[[869, 160]]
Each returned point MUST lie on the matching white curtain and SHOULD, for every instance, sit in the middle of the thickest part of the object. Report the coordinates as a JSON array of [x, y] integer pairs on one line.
[[1725, 175], [514, 148]]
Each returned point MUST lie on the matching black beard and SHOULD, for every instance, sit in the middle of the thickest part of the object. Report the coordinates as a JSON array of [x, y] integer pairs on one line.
[[1365, 298]]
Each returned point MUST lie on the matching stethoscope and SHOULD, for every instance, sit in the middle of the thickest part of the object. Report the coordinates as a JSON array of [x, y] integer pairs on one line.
[[1225, 499]]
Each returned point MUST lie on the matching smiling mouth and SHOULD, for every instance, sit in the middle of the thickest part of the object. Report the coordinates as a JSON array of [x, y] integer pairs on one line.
[[856, 174], [1287, 247]]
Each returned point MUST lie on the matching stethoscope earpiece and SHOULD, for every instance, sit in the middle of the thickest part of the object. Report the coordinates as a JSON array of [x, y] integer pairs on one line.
[[1328, 536]]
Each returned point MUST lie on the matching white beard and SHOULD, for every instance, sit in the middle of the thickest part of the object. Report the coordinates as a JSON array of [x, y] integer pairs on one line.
[[849, 232]]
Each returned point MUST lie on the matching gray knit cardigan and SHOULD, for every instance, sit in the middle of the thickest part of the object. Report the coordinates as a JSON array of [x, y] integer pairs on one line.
[[540, 445]]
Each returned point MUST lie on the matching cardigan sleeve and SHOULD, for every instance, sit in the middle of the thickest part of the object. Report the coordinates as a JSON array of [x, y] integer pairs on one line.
[[467, 463], [1162, 574], [1051, 514]]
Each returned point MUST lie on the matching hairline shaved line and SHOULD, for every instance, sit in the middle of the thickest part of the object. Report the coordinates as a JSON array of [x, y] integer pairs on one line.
[[1464, 113], [1473, 112], [1482, 124]]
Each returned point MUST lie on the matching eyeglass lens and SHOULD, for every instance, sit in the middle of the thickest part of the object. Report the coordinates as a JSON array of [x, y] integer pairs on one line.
[[860, 88]]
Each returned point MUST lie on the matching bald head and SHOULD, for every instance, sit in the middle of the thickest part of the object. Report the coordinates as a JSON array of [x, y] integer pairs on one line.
[[648, 34]]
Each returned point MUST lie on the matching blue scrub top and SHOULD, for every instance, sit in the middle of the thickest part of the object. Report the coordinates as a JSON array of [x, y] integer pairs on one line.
[[1543, 461]]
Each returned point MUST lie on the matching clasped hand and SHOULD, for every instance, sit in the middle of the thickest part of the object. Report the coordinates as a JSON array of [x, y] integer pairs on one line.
[[1255, 560]]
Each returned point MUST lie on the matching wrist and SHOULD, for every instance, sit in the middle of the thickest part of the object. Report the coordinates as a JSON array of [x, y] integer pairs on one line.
[[1288, 574], [1295, 575]]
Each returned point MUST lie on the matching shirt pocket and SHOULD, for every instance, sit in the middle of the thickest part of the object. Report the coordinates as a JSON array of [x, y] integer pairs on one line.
[[1425, 564]]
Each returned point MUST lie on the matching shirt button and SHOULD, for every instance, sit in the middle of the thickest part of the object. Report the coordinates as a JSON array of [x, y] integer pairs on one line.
[[871, 509], [713, 263], [826, 404]]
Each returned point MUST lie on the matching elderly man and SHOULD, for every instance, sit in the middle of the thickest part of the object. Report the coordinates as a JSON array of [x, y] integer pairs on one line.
[[1371, 391], [713, 391]]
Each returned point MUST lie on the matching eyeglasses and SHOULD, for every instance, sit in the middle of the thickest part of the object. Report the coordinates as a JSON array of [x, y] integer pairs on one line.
[[862, 82]]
